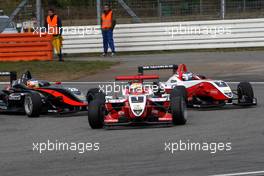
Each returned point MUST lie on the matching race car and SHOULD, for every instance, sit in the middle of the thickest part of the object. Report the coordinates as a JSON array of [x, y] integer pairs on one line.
[[138, 103], [36, 97], [200, 91]]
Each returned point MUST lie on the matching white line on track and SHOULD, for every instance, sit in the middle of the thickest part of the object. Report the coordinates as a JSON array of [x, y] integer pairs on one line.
[[255, 173], [255, 83], [86, 83]]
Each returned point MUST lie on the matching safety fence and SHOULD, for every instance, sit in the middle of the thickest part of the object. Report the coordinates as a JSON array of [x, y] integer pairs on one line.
[[25, 47], [76, 13], [169, 36]]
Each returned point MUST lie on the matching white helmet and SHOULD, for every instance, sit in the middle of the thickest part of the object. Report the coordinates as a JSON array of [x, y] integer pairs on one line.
[[187, 76]]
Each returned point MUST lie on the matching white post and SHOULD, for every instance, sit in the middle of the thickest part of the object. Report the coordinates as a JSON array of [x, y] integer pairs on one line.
[[38, 12], [223, 9], [98, 8], [201, 7], [159, 9], [244, 5]]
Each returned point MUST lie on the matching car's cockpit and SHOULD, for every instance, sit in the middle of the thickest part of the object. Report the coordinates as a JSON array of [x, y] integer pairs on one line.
[[27, 82]]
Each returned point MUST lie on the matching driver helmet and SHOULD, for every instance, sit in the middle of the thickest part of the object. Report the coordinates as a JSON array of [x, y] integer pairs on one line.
[[187, 76], [33, 84], [136, 87]]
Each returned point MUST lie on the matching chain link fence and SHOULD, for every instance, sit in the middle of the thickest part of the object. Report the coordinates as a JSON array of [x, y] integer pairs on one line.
[[27, 12], [83, 12], [165, 10], [26, 18]]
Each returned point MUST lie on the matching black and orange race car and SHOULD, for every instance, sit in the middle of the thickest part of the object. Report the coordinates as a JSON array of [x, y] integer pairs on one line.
[[36, 97]]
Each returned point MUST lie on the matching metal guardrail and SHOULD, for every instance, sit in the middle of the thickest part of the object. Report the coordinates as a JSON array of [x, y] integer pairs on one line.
[[168, 36]]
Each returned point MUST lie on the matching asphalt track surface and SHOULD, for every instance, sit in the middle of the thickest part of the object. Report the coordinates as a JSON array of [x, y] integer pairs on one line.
[[141, 150], [135, 150], [229, 66]]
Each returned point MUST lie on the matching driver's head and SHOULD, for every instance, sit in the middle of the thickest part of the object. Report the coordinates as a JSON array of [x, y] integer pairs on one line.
[[26, 75], [187, 76], [32, 84], [136, 87]]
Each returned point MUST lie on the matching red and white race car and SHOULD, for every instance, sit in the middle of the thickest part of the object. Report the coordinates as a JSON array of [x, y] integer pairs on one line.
[[203, 92], [137, 104]]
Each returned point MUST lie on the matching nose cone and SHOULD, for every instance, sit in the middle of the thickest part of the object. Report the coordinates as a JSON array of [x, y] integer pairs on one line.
[[137, 104], [224, 89]]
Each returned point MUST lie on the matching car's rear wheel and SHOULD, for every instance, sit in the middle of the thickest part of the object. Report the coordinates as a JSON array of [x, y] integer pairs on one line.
[[245, 92], [178, 107], [32, 105], [96, 112]]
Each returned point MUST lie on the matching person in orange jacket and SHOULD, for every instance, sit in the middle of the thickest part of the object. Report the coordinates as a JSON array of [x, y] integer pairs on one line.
[[107, 26], [53, 26]]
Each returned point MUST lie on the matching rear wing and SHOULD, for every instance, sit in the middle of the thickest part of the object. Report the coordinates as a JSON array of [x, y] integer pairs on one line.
[[136, 77], [12, 75], [172, 67]]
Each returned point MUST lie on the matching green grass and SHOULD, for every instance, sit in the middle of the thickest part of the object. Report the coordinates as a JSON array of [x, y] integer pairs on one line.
[[57, 71]]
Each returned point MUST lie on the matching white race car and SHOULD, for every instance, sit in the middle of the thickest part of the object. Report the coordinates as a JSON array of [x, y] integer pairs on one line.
[[202, 92]]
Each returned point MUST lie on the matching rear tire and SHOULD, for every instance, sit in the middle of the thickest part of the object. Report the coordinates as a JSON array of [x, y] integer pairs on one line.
[[245, 92], [178, 108], [96, 114], [32, 105]]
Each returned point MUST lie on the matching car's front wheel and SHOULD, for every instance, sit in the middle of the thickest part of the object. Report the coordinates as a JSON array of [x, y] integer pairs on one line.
[[178, 108], [96, 114], [32, 105], [245, 92], [95, 93]]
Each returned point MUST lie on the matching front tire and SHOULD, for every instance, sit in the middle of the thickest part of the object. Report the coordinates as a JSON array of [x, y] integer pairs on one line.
[[95, 93], [181, 91], [245, 92], [32, 105], [178, 108], [96, 114]]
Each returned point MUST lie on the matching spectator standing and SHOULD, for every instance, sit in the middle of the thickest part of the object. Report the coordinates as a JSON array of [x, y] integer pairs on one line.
[[53, 25], [107, 26]]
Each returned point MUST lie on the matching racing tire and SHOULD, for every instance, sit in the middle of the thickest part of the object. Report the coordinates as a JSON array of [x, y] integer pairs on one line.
[[95, 93], [245, 92], [96, 114], [2, 95], [33, 105], [178, 108], [181, 91]]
